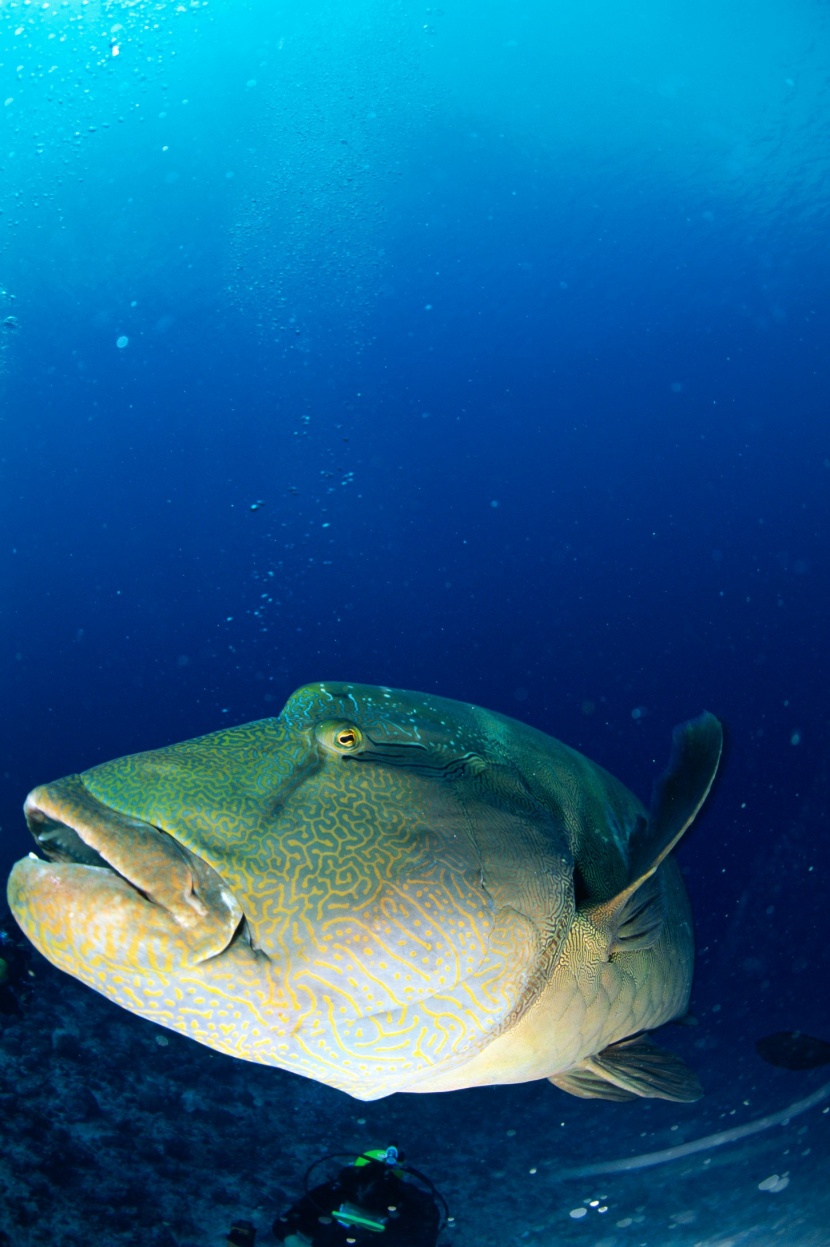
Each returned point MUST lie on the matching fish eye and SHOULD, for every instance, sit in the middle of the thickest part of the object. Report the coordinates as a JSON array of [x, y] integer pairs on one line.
[[338, 736]]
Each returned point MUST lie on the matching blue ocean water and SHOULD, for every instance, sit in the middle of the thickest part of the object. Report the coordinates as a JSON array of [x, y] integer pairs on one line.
[[479, 349]]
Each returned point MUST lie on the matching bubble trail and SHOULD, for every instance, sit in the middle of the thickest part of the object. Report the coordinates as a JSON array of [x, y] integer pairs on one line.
[[647, 1159]]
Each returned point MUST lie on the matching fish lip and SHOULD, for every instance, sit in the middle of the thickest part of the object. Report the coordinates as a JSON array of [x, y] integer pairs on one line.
[[70, 846], [88, 832], [80, 830]]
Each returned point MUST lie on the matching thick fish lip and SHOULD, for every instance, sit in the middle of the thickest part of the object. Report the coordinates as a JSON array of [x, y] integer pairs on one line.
[[59, 841], [76, 830]]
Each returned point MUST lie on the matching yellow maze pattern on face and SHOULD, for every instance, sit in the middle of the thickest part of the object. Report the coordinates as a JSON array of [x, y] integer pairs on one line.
[[377, 913], [405, 866], [359, 883], [362, 883]]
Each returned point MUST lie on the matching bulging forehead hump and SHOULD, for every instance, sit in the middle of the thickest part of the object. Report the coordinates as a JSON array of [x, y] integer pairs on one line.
[[212, 788], [420, 715]]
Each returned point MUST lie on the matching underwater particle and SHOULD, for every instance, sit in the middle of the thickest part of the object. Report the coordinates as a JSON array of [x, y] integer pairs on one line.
[[494, 503], [122, 342], [576, 1213], [775, 1183], [639, 712], [795, 739], [10, 323], [260, 502]]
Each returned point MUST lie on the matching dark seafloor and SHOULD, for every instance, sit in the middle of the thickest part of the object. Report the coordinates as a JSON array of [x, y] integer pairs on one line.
[[116, 1132], [480, 349]]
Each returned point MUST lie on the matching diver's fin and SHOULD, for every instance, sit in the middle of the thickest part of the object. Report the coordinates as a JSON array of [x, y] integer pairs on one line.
[[794, 1050], [633, 918], [633, 1067], [587, 1085]]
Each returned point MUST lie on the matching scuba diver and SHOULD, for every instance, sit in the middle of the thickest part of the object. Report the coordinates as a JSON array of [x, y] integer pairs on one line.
[[376, 1198]]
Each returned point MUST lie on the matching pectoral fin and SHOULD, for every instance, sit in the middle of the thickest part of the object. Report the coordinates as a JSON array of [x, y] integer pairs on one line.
[[633, 919], [678, 794], [583, 1082], [634, 1067], [638, 921]]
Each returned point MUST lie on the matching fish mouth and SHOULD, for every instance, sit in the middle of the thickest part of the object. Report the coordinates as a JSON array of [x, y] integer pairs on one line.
[[100, 853], [59, 842]]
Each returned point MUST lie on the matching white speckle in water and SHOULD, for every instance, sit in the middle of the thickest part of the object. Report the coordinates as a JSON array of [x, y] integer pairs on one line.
[[774, 1183], [576, 1213], [122, 342]]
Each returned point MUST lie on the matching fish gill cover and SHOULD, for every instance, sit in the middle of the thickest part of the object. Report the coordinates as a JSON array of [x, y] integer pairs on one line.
[[478, 349]]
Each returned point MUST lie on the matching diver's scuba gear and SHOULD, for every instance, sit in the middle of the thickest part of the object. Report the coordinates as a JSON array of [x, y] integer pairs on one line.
[[375, 1199], [349, 1214], [241, 1234]]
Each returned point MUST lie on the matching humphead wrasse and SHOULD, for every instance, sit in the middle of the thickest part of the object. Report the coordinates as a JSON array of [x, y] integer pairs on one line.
[[384, 891]]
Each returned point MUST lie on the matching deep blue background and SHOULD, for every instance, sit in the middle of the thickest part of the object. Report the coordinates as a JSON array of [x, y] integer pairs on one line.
[[516, 323]]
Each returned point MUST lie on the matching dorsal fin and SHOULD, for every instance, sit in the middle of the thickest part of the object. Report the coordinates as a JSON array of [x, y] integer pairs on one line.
[[634, 917]]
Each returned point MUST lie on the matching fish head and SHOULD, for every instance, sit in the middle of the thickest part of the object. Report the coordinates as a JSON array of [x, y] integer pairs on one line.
[[358, 890]]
